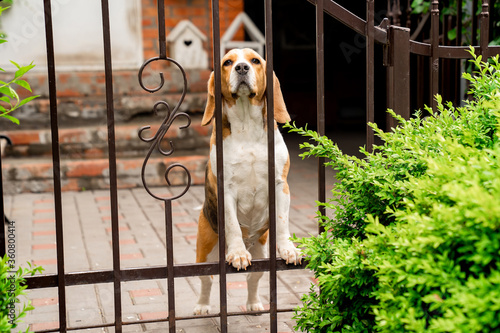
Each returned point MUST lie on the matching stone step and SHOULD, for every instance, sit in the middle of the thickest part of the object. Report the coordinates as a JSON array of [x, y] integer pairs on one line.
[[36, 175], [91, 142]]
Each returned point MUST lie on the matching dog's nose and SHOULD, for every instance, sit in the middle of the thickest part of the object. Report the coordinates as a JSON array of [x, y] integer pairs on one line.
[[242, 68]]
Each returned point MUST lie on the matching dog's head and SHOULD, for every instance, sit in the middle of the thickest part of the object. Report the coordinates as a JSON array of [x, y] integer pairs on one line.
[[243, 75]]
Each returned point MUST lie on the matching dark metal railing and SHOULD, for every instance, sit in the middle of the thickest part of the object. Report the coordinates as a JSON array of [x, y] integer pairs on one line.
[[398, 48], [56, 165]]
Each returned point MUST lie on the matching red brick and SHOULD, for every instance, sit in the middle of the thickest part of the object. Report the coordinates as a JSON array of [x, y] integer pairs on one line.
[[88, 168], [85, 77], [41, 211], [71, 185], [191, 237], [94, 153], [145, 292], [127, 241], [24, 137], [44, 221], [150, 54], [45, 262], [43, 246], [68, 92], [171, 23], [67, 135], [179, 214], [63, 78], [124, 228], [44, 233], [149, 12], [237, 285], [186, 225], [148, 44], [189, 12], [146, 22], [100, 77], [150, 33], [153, 315], [44, 301]]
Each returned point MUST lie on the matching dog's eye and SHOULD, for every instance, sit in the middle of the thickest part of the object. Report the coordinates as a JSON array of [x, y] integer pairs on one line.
[[228, 62], [256, 61]]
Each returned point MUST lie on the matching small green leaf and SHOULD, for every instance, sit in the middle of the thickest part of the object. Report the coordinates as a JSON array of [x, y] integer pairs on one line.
[[26, 100], [23, 70], [452, 34], [7, 90], [8, 116], [15, 64], [23, 84]]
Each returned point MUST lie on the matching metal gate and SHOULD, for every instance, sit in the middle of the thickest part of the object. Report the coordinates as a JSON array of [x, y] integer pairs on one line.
[[397, 50]]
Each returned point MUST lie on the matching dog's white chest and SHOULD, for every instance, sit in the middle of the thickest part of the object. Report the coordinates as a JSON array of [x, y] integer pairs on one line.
[[246, 173]]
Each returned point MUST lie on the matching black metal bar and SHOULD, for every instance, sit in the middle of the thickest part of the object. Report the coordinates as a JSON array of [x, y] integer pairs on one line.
[[170, 266], [3, 249], [271, 170], [162, 42], [370, 72], [115, 234], [215, 315], [474, 21], [56, 160], [155, 272], [220, 166], [320, 100], [458, 63], [484, 32], [401, 65], [434, 60]]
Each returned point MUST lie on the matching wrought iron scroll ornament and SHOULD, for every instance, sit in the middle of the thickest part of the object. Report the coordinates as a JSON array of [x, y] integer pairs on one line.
[[157, 138]]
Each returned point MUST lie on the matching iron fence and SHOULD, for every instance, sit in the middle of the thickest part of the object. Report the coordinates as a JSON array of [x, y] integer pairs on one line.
[[398, 46]]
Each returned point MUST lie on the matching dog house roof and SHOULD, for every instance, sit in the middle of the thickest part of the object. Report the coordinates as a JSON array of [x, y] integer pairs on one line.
[[183, 26]]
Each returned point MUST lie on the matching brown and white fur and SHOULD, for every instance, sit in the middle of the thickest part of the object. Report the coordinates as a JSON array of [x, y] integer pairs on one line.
[[243, 76]]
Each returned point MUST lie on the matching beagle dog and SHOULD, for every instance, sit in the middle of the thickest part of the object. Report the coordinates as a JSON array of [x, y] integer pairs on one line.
[[246, 199]]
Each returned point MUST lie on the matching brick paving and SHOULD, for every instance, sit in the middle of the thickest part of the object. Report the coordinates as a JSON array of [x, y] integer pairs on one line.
[[87, 242]]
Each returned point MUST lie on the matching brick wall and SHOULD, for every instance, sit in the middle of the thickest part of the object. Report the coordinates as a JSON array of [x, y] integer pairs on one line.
[[197, 11], [81, 95]]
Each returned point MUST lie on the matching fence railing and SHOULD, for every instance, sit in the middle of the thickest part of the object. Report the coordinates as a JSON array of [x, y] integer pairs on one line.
[[397, 50]]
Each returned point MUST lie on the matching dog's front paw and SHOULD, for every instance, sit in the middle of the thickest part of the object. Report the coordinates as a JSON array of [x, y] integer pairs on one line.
[[201, 309], [255, 306], [289, 253], [239, 258]]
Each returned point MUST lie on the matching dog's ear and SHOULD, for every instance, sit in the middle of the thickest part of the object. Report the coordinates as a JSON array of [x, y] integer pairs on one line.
[[280, 112], [210, 108]]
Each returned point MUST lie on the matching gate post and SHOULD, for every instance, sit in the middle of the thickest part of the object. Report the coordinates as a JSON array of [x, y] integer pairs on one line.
[[398, 73]]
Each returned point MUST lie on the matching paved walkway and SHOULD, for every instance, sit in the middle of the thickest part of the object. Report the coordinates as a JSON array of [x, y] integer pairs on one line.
[[87, 235]]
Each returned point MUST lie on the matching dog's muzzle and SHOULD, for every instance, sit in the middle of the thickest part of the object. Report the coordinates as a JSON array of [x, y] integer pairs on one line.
[[243, 85], [242, 68]]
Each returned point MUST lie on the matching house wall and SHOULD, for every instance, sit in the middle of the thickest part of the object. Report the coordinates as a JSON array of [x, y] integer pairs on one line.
[[79, 57]]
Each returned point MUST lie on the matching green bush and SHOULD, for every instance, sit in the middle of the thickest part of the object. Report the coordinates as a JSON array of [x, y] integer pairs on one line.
[[9, 98], [414, 244], [12, 285]]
